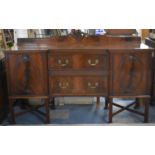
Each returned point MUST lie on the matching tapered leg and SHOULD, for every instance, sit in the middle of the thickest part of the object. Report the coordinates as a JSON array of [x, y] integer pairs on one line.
[[11, 109], [146, 111], [97, 102], [137, 105], [47, 111], [110, 110], [24, 103], [52, 103], [106, 103], [152, 102]]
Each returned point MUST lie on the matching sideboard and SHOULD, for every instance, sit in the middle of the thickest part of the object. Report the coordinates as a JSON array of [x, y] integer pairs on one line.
[[106, 66]]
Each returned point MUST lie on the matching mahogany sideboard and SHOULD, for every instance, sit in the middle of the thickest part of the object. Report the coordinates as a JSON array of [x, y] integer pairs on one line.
[[91, 66]]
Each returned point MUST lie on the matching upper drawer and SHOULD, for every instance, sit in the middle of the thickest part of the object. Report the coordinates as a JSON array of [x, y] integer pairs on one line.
[[77, 61]]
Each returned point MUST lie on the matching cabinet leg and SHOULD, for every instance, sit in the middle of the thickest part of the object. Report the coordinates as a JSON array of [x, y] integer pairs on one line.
[[137, 105], [52, 103], [47, 111], [24, 103], [110, 110], [151, 101], [106, 103], [97, 102], [11, 109], [146, 111]]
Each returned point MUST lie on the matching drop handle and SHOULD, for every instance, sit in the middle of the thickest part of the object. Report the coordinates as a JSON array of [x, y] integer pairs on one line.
[[93, 86], [93, 63], [26, 91], [63, 85], [26, 58], [132, 58], [63, 63]]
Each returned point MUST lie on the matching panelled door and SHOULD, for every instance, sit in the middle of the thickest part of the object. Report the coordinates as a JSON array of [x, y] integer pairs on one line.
[[130, 72], [27, 72]]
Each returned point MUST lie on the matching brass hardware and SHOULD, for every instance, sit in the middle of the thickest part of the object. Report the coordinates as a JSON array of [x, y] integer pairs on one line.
[[26, 91], [26, 58], [63, 85], [93, 64], [132, 58], [90, 85], [66, 62]]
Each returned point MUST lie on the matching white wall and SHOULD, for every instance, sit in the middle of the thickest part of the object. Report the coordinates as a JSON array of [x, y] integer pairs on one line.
[[20, 33]]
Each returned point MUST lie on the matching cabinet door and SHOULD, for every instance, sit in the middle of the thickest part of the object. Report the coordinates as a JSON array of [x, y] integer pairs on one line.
[[27, 73], [131, 72]]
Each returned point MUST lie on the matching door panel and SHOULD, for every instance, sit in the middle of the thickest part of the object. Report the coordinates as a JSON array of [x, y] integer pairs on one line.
[[27, 73], [131, 72]]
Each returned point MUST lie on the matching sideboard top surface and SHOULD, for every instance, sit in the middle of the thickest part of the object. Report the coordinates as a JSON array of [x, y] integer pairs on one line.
[[84, 42], [87, 43]]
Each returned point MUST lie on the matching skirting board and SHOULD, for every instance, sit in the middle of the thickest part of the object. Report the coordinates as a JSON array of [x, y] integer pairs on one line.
[[73, 100], [67, 100]]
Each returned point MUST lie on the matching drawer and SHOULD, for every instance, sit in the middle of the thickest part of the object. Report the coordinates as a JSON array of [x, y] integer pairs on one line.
[[78, 61], [78, 85]]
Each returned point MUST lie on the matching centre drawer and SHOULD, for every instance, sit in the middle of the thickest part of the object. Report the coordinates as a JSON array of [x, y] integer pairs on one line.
[[77, 61], [78, 85]]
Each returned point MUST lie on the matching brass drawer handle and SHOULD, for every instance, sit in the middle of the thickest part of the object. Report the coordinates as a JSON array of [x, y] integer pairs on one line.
[[132, 57], [93, 64], [63, 85], [66, 62], [26, 58], [90, 85]]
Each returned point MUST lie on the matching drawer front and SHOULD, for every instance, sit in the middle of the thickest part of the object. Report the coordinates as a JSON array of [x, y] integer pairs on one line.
[[27, 73], [71, 85], [78, 61]]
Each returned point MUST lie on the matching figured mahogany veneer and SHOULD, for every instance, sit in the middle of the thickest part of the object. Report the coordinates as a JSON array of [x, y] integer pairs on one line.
[[78, 85], [88, 59], [107, 66], [131, 71], [78, 72], [27, 73], [27, 76]]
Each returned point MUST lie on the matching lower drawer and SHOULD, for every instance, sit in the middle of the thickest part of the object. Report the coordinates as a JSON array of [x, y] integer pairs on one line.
[[78, 86]]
